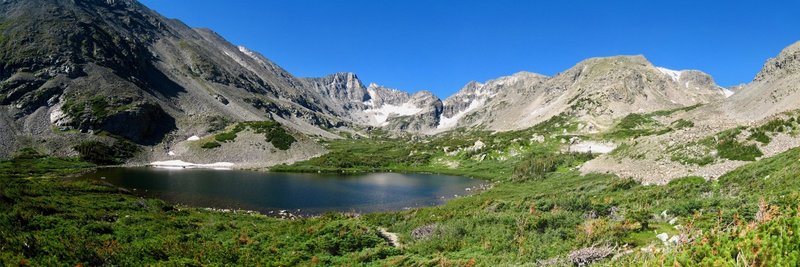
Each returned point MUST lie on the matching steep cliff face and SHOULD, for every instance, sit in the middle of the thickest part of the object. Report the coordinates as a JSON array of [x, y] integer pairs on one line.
[[343, 91]]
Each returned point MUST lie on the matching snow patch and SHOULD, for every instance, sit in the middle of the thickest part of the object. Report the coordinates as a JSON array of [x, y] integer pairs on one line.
[[445, 122], [372, 95], [193, 138], [173, 164], [171, 153], [56, 115], [380, 115], [726, 92], [250, 54], [593, 147], [674, 74], [482, 92], [242, 61]]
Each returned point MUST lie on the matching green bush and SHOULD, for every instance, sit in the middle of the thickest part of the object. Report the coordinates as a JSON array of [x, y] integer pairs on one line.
[[225, 137], [634, 120], [681, 123], [273, 132], [341, 237], [28, 153], [280, 138], [641, 216], [536, 166], [100, 153], [775, 125], [635, 125], [692, 160], [210, 145], [98, 107], [734, 150], [96, 152], [556, 124]]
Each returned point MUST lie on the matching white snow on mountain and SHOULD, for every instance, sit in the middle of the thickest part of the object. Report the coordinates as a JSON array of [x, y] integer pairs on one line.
[[241, 61], [249, 53], [726, 92], [179, 164], [445, 122], [674, 74], [381, 114]]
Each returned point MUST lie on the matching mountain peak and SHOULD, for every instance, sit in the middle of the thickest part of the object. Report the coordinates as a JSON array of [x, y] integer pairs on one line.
[[528, 74], [786, 63], [617, 60], [424, 93]]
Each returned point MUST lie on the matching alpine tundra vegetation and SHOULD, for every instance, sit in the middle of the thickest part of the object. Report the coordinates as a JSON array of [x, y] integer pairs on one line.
[[612, 162]]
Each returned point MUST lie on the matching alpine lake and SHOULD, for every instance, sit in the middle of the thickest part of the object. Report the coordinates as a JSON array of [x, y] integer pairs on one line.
[[298, 193]]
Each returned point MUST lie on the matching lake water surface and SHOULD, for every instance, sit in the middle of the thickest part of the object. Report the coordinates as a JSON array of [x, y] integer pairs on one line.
[[309, 193]]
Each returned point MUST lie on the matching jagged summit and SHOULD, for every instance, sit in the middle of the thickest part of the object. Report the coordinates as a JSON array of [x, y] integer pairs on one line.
[[343, 86]]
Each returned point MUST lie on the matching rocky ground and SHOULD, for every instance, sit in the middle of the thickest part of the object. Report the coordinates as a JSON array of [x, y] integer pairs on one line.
[[649, 158]]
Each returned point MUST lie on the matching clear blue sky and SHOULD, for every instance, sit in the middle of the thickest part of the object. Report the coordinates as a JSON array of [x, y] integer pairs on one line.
[[441, 45]]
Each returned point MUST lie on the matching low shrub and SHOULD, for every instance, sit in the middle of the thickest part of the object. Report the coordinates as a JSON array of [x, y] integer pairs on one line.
[[28, 153], [273, 131], [760, 137], [210, 145], [733, 150], [535, 166], [101, 153], [635, 120], [225, 137], [681, 124]]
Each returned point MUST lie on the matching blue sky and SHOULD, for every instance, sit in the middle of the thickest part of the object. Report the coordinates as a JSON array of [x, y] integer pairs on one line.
[[441, 45]]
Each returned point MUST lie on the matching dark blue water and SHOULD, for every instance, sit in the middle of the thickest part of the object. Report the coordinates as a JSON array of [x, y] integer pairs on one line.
[[310, 193]]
